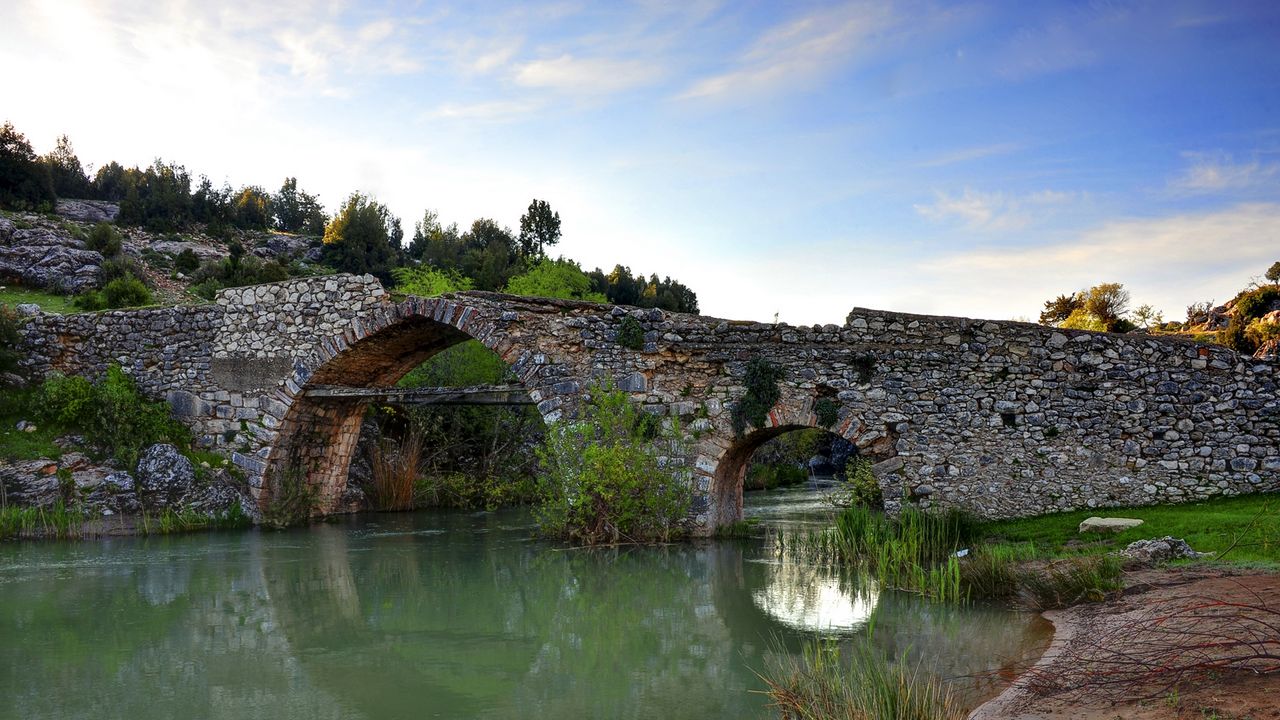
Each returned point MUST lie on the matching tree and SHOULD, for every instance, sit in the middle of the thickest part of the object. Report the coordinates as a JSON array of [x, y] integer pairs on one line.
[[1102, 307], [110, 182], [359, 239], [436, 245], [1146, 317], [549, 278], [252, 209], [69, 179], [1273, 272], [24, 181], [1060, 308], [297, 211], [490, 256], [539, 229]]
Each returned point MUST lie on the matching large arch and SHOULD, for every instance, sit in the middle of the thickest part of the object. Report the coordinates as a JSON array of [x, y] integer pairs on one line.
[[317, 436]]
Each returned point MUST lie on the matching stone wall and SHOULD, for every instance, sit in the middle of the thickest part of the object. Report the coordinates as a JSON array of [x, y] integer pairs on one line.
[[1002, 418]]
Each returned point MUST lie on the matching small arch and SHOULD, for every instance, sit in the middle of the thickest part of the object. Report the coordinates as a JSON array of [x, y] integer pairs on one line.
[[726, 486]]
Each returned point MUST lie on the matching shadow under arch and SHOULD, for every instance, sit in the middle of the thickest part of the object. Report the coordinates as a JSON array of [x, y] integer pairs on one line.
[[731, 467], [318, 436]]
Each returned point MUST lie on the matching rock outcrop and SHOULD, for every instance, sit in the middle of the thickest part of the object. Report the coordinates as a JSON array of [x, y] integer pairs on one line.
[[88, 211], [45, 257], [164, 476]]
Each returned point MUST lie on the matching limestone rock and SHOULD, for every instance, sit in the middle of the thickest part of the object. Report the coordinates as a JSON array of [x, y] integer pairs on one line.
[[46, 258], [203, 252], [219, 495], [31, 483], [164, 476], [1108, 525], [1160, 549], [89, 211]]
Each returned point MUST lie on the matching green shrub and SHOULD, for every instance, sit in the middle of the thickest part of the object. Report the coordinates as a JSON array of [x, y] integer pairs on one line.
[[120, 266], [292, 500], [762, 394], [127, 291], [768, 477], [827, 411], [861, 486], [111, 413], [604, 482], [1255, 303], [10, 340], [105, 239], [630, 334], [186, 262]]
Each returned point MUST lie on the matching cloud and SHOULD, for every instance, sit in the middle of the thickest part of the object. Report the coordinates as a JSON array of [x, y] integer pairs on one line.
[[1218, 172], [796, 53], [586, 76], [973, 153], [1169, 262], [492, 111], [993, 210]]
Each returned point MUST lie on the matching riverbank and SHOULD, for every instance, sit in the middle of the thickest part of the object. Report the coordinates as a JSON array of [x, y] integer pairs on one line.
[[1180, 642]]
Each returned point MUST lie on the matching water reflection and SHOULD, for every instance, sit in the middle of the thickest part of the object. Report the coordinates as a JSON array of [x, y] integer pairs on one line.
[[432, 615]]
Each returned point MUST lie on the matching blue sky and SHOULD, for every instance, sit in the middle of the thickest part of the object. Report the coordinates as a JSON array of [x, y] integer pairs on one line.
[[791, 158]]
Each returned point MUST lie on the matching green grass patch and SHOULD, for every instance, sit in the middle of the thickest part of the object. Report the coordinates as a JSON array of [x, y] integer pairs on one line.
[[16, 444], [48, 301], [1250, 522]]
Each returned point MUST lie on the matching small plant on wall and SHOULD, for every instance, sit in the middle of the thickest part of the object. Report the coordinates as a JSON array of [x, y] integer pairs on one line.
[[827, 412], [762, 394], [630, 334]]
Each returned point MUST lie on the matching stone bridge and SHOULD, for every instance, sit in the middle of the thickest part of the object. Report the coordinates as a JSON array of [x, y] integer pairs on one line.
[[1002, 418]]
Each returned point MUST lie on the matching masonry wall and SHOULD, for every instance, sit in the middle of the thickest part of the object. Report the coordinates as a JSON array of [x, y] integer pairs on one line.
[[1002, 418]]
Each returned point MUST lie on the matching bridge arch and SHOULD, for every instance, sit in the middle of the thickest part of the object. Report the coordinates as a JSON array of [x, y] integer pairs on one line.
[[731, 462], [318, 435]]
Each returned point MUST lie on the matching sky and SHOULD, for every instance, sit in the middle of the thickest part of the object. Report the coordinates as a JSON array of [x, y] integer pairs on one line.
[[783, 159]]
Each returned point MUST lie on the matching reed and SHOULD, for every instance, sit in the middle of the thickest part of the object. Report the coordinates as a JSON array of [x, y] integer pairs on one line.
[[394, 467], [825, 684]]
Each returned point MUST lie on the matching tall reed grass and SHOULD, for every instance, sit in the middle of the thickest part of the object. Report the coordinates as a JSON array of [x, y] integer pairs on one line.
[[825, 684], [394, 466]]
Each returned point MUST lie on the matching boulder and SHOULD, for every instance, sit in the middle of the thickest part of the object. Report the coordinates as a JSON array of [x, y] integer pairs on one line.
[[1160, 550], [164, 476], [285, 247], [176, 247], [27, 309], [89, 211], [30, 483], [1108, 525], [114, 493], [218, 495]]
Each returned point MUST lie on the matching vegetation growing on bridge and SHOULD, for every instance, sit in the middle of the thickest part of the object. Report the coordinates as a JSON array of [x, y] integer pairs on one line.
[[762, 393], [607, 478]]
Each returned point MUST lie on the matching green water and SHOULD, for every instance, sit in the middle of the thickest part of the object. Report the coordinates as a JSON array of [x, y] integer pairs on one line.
[[444, 614]]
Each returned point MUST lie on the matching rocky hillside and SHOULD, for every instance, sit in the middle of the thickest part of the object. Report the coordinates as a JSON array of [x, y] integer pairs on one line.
[[51, 253]]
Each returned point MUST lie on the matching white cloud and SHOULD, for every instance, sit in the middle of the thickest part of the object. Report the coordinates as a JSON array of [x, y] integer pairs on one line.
[[491, 111], [1218, 172], [1169, 262], [796, 53], [993, 211], [587, 76], [972, 153]]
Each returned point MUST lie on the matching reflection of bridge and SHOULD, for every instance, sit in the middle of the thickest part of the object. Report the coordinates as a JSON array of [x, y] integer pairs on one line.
[[1003, 418]]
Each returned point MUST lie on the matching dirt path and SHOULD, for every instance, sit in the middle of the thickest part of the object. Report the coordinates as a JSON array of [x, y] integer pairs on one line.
[[1125, 658]]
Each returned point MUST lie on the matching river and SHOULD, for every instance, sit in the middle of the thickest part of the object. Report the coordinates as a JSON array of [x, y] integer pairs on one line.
[[450, 615]]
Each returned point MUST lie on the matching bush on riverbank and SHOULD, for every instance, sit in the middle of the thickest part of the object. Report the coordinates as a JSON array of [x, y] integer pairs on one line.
[[606, 477], [111, 413]]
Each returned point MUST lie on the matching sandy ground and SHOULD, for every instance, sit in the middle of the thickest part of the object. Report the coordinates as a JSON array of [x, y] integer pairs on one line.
[[1117, 659]]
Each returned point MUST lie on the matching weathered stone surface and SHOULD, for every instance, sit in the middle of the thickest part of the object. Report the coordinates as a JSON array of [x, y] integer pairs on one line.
[[164, 476], [116, 493], [89, 211], [48, 258], [202, 251], [1160, 550], [1108, 525], [1001, 418], [30, 483], [218, 495]]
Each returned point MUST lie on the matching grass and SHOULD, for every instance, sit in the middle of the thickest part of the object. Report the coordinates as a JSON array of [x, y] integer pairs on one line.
[[48, 301], [57, 521], [857, 685], [171, 521], [1249, 522]]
